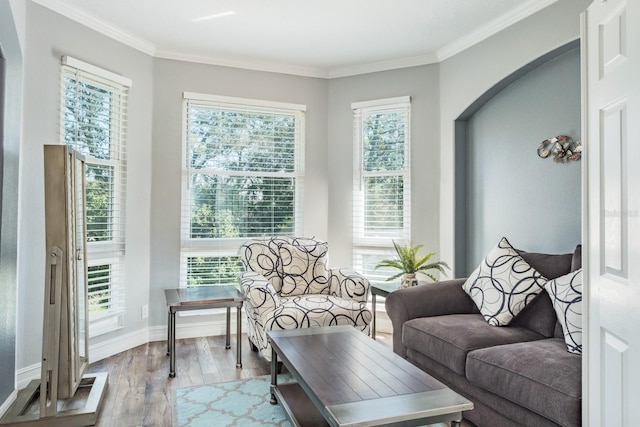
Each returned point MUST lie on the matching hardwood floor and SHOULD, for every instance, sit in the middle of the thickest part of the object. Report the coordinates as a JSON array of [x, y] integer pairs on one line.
[[140, 390]]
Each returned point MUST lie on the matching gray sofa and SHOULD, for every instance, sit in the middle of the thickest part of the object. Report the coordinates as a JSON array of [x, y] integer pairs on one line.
[[516, 375]]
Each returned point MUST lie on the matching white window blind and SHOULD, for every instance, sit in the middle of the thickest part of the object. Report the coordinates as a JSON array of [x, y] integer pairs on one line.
[[382, 181], [93, 122], [243, 177]]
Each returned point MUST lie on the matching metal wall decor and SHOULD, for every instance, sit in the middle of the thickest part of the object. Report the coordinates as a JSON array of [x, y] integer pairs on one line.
[[563, 148]]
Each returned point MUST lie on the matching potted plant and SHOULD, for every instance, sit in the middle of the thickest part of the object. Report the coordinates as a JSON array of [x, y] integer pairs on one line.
[[410, 263]]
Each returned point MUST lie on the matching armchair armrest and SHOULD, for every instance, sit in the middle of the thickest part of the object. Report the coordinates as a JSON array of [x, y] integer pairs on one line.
[[259, 292], [432, 299], [347, 283]]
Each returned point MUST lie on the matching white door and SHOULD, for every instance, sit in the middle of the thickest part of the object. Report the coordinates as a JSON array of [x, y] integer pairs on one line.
[[611, 32]]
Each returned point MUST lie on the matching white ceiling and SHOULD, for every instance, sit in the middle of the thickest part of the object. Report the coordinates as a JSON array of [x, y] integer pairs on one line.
[[320, 38]]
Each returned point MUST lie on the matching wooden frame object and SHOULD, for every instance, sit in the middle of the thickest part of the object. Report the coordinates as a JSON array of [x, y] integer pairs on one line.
[[65, 335]]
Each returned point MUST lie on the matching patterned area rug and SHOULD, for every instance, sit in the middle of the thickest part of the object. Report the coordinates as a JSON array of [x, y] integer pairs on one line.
[[243, 403], [235, 403]]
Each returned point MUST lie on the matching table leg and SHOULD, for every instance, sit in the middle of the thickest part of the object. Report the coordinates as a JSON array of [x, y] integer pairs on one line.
[[228, 343], [274, 376], [172, 344], [169, 333], [373, 323], [239, 337]]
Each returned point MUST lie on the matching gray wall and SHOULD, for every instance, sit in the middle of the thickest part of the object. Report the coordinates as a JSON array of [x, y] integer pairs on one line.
[[421, 83], [48, 37], [171, 79], [511, 191], [10, 116]]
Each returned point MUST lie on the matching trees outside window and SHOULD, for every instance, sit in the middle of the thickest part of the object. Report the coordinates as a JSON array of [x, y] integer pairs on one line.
[[243, 178], [382, 181], [93, 122]]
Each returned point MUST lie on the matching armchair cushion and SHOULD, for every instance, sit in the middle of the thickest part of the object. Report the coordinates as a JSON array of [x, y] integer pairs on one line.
[[288, 285], [302, 266]]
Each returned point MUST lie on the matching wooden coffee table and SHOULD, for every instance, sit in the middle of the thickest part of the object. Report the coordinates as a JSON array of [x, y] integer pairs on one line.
[[344, 378]]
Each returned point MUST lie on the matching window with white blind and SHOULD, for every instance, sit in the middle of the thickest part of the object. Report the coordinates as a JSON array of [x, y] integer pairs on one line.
[[382, 181], [93, 122], [243, 178]]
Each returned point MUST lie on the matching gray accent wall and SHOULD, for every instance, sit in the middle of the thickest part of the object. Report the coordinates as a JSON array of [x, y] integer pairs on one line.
[[512, 192], [468, 75]]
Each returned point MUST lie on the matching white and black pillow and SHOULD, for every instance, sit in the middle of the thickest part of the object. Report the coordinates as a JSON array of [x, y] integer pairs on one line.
[[503, 284], [303, 268], [566, 295]]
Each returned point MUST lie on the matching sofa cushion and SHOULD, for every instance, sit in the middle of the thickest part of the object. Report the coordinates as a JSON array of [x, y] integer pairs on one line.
[[503, 284], [549, 265], [541, 376], [448, 339], [566, 295]]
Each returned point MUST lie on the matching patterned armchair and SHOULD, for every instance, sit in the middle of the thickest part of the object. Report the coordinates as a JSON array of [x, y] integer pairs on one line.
[[287, 285]]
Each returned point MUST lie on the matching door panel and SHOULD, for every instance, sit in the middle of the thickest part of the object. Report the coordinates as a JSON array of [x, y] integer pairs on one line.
[[612, 213]]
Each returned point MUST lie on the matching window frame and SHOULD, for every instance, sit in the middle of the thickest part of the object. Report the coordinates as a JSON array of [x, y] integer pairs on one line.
[[379, 246], [229, 247], [110, 252]]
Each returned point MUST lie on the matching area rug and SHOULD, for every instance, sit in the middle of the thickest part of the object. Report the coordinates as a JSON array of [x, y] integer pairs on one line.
[[242, 403], [235, 403]]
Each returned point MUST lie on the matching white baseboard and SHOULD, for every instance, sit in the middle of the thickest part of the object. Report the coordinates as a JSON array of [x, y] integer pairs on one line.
[[25, 375], [7, 403]]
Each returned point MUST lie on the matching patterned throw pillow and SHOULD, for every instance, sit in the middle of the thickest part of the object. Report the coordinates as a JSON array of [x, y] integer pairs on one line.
[[503, 284], [566, 295], [303, 268]]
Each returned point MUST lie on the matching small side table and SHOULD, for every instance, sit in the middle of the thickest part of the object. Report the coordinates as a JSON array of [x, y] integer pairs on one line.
[[200, 298], [383, 289]]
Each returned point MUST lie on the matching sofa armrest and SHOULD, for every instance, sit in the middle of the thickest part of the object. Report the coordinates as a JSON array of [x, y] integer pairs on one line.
[[431, 299], [260, 294], [349, 284]]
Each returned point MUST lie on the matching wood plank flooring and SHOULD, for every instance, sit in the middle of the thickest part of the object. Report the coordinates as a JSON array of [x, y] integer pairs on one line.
[[140, 390]]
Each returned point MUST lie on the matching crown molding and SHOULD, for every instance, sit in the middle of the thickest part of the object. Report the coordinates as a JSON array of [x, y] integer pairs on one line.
[[273, 67], [394, 64], [492, 28], [97, 24], [457, 46]]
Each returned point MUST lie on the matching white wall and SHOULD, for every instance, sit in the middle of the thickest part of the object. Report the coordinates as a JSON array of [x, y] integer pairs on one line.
[[466, 76]]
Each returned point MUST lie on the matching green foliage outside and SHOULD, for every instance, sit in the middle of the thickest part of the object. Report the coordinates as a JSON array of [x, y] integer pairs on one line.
[[242, 182], [383, 154]]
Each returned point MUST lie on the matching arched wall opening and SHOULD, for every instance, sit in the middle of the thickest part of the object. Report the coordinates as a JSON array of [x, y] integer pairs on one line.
[[502, 187]]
